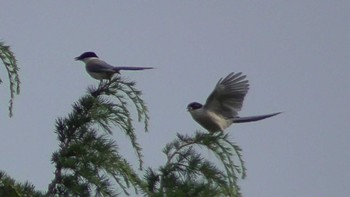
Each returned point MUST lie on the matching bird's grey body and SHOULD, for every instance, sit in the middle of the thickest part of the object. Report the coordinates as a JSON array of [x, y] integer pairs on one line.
[[223, 104], [99, 69], [210, 120]]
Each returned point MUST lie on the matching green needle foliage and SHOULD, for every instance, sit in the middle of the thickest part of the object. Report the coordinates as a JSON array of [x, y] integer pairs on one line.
[[188, 173], [88, 162], [9, 187], [10, 63]]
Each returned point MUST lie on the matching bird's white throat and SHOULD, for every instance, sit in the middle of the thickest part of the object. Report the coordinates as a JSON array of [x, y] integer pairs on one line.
[[87, 59]]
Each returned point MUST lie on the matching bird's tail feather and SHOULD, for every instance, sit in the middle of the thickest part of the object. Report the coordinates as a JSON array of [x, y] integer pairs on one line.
[[118, 68], [253, 118]]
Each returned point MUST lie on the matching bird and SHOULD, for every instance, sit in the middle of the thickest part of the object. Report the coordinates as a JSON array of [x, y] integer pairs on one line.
[[223, 104], [99, 69]]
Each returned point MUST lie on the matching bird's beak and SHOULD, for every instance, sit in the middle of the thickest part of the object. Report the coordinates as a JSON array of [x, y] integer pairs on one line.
[[189, 108], [76, 58]]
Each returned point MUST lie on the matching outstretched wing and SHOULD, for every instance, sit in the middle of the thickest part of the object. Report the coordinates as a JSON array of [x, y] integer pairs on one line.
[[228, 95]]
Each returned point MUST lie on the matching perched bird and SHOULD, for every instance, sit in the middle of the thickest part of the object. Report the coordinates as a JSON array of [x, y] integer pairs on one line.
[[222, 105], [99, 69]]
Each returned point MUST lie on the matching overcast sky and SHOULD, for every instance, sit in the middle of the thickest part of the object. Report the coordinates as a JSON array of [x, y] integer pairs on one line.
[[294, 53]]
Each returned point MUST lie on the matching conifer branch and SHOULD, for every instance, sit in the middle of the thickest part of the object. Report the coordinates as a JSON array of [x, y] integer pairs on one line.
[[119, 89], [187, 169], [88, 161], [9, 187], [9, 60]]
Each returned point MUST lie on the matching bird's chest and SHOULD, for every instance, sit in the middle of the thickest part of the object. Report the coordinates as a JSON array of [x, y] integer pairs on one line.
[[209, 120], [99, 75]]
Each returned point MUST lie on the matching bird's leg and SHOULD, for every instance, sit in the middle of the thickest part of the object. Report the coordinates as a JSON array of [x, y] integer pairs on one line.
[[100, 85]]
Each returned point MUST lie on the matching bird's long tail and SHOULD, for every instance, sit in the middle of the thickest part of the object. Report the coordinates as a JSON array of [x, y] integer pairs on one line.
[[253, 118], [118, 68]]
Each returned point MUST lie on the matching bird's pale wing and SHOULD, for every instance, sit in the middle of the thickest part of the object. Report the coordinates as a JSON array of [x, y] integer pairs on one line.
[[99, 66], [228, 95]]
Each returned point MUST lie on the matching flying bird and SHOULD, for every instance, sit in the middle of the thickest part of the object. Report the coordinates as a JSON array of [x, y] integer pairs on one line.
[[222, 106], [99, 69]]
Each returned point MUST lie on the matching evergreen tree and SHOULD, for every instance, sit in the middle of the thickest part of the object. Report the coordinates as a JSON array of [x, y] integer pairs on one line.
[[10, 188], [188, 173], [88, 162]]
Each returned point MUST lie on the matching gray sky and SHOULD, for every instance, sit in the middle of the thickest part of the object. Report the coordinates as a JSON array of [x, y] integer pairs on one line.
[[295, 54]]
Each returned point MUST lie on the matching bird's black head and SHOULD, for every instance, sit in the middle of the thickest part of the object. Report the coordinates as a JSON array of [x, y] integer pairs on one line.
[[86, 55], [194, 106]]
